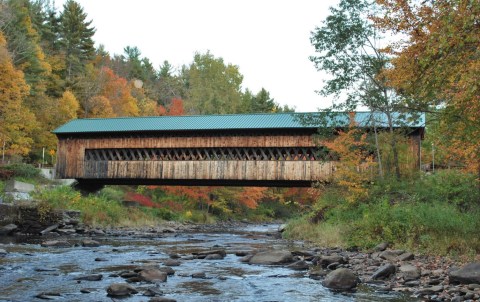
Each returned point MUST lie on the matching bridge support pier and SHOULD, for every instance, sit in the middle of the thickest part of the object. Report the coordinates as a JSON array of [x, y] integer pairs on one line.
[[87, 187]]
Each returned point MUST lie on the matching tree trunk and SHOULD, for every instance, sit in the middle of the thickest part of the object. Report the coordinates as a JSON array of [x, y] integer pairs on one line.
[[377, 147]]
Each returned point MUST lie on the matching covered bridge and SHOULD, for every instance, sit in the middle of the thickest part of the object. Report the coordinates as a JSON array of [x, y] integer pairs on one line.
[[239, 150]]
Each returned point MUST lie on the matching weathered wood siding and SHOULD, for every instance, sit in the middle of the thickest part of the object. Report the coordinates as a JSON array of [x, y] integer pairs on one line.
[[71, 163], [210, 170]]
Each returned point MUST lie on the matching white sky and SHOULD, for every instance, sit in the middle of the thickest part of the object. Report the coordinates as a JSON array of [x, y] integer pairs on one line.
[[268, 39]]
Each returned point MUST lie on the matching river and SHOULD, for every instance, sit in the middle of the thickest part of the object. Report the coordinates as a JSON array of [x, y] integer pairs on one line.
[[29, 269]]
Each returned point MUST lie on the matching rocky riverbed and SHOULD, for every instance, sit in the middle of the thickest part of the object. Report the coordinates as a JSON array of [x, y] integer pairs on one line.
[[224, 262]]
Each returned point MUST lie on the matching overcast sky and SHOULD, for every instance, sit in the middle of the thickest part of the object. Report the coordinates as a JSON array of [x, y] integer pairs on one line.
[[268, 39]]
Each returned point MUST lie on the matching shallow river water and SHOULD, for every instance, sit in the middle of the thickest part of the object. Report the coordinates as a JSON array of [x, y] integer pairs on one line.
[[29, 269]]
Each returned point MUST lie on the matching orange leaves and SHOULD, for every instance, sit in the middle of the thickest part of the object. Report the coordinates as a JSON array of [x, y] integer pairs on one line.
[[355, 160], [250, 196], [175, 108], [117, 91]]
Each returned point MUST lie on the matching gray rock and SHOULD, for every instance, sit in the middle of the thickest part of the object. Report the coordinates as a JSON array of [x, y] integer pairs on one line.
[[121, 290], [18, 186], [90, 278], [468, 274], [153, 275], [384, 271], [8, 229], [381, 247], [341, 279], [56, 243], [282, 228], [90, 243], [271, 257], [409, 272]]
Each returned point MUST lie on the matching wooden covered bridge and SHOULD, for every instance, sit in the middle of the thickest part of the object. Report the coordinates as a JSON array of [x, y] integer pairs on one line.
[[233, 150]]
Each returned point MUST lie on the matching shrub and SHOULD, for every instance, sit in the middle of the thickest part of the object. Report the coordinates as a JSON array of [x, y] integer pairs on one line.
[[23, 170]]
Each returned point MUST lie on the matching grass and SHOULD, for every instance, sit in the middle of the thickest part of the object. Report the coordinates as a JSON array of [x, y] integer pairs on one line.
[[324, 234]]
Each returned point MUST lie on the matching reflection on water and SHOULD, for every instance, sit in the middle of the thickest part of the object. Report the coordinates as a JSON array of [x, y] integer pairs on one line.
[[29, 270]]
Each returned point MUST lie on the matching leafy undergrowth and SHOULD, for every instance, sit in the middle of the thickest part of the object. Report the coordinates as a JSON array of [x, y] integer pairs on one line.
[[435, 214]]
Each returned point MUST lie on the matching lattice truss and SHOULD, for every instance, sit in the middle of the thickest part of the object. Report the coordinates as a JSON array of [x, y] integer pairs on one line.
[[175, 154]]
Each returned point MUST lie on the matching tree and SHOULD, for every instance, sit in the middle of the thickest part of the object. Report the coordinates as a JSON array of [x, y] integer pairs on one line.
[[348, 48], [212, 86], [68, 107], [437, 66], [76, 38], [16, 121]]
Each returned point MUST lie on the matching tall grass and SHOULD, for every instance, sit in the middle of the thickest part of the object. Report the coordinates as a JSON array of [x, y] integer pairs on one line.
[[98, 210], [437, 214]]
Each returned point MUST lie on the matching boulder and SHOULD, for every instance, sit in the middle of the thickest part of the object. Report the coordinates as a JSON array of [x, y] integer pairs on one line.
[[8, 229], [384, 271], [153, 275], [271, 257], [409, 272], [468, 274], [121, 290], [56, 243], [199, 275], [341, 279], [168, 270]]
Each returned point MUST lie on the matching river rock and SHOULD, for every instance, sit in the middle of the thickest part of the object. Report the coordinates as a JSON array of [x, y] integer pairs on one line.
[[384, 271], [97, 277], [153, 275], [214, 257], [3, 253], [299, 265], [341, 279], [153, 291], [271, 257], [172, 262], [161, 299], [407, 256], [282, 228], [409, 272], [121, 290], [429, 290], [90, 243], [168, 270], [56, 243], [389, 255], [204, 254], [199, 275], [8, 229], [325, 261], [470, 273]]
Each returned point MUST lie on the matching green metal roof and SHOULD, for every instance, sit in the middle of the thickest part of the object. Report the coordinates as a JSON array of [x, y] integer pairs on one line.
[[225, 122]]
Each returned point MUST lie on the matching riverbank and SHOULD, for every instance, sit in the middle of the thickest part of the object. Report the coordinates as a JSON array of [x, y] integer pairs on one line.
[[208, 261]]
